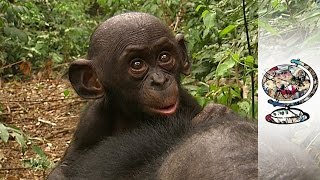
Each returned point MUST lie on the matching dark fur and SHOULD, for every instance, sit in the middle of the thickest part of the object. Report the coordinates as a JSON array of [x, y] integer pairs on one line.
[[88, 134], [220, 146]]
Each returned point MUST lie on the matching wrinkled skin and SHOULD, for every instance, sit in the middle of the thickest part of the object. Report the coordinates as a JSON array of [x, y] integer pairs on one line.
[[132, 75]]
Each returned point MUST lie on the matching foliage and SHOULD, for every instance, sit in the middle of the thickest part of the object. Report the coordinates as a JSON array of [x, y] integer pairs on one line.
[[40, 31], [287, 17], [20, 137], [41, 160], [219, 50]]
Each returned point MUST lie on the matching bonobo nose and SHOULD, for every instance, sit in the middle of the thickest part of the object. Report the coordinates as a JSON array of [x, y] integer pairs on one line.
[[158, 79]]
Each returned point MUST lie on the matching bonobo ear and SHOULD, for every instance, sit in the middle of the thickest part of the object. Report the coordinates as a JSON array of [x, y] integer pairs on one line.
[[84, 79], [185, 64]]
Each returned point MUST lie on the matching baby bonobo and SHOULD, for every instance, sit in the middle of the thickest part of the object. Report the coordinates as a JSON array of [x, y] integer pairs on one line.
[[140, 124]]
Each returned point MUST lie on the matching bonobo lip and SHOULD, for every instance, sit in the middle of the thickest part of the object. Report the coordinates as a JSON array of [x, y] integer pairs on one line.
[[167, 110]]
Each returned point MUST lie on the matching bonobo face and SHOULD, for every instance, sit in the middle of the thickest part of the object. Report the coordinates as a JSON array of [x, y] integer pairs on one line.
[[136, 58], [150, 72]]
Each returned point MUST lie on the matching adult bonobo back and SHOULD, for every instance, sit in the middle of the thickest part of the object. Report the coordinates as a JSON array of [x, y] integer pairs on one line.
[[132, 74]]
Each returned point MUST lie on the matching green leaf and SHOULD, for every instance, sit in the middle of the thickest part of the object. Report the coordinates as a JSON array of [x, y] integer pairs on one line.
[[204, 13], [56, 57], [274, 3], [102, 2], [20, 139], [109, 3], [249, 61], [235, 107], [208, 19], [235, 92], [200, 69], [13, 128], [205, 32], [32, 49], [4, 134], [14, 32], [191, 87], [236, 57], [20, 9], [210, 76], [39, 151], [227, 30], [201, 100], [199, 7], [213, 87], [244, 106], [66, 93], [224, 67], [222, 99]]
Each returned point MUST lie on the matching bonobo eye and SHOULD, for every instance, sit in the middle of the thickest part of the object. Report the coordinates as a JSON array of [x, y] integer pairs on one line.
[[138, 67], [166, 60], [137, 64]]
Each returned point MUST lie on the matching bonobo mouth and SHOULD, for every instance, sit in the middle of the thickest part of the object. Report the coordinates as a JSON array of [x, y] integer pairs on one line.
[[166, 110]]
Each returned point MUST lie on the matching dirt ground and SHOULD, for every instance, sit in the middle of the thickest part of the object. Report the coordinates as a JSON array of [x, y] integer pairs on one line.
[[47, 111]]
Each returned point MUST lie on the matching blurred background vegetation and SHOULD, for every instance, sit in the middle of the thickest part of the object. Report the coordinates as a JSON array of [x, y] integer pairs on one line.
[[39, 34]]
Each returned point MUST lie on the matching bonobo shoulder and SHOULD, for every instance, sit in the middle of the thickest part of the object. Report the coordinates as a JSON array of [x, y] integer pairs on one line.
[[221, 145], [217, 118], [217, 114]]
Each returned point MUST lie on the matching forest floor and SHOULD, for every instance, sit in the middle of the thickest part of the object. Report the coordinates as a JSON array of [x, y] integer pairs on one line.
[[47, 112]]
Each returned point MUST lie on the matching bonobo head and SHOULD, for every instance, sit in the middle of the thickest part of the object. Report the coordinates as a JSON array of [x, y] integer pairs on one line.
[[135, 59]]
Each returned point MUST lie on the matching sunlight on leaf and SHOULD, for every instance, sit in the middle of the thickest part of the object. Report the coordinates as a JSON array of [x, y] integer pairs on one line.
[[208, 19], [275, 3], [249, 61], [227, 30], [4, 134], [224, 67]]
